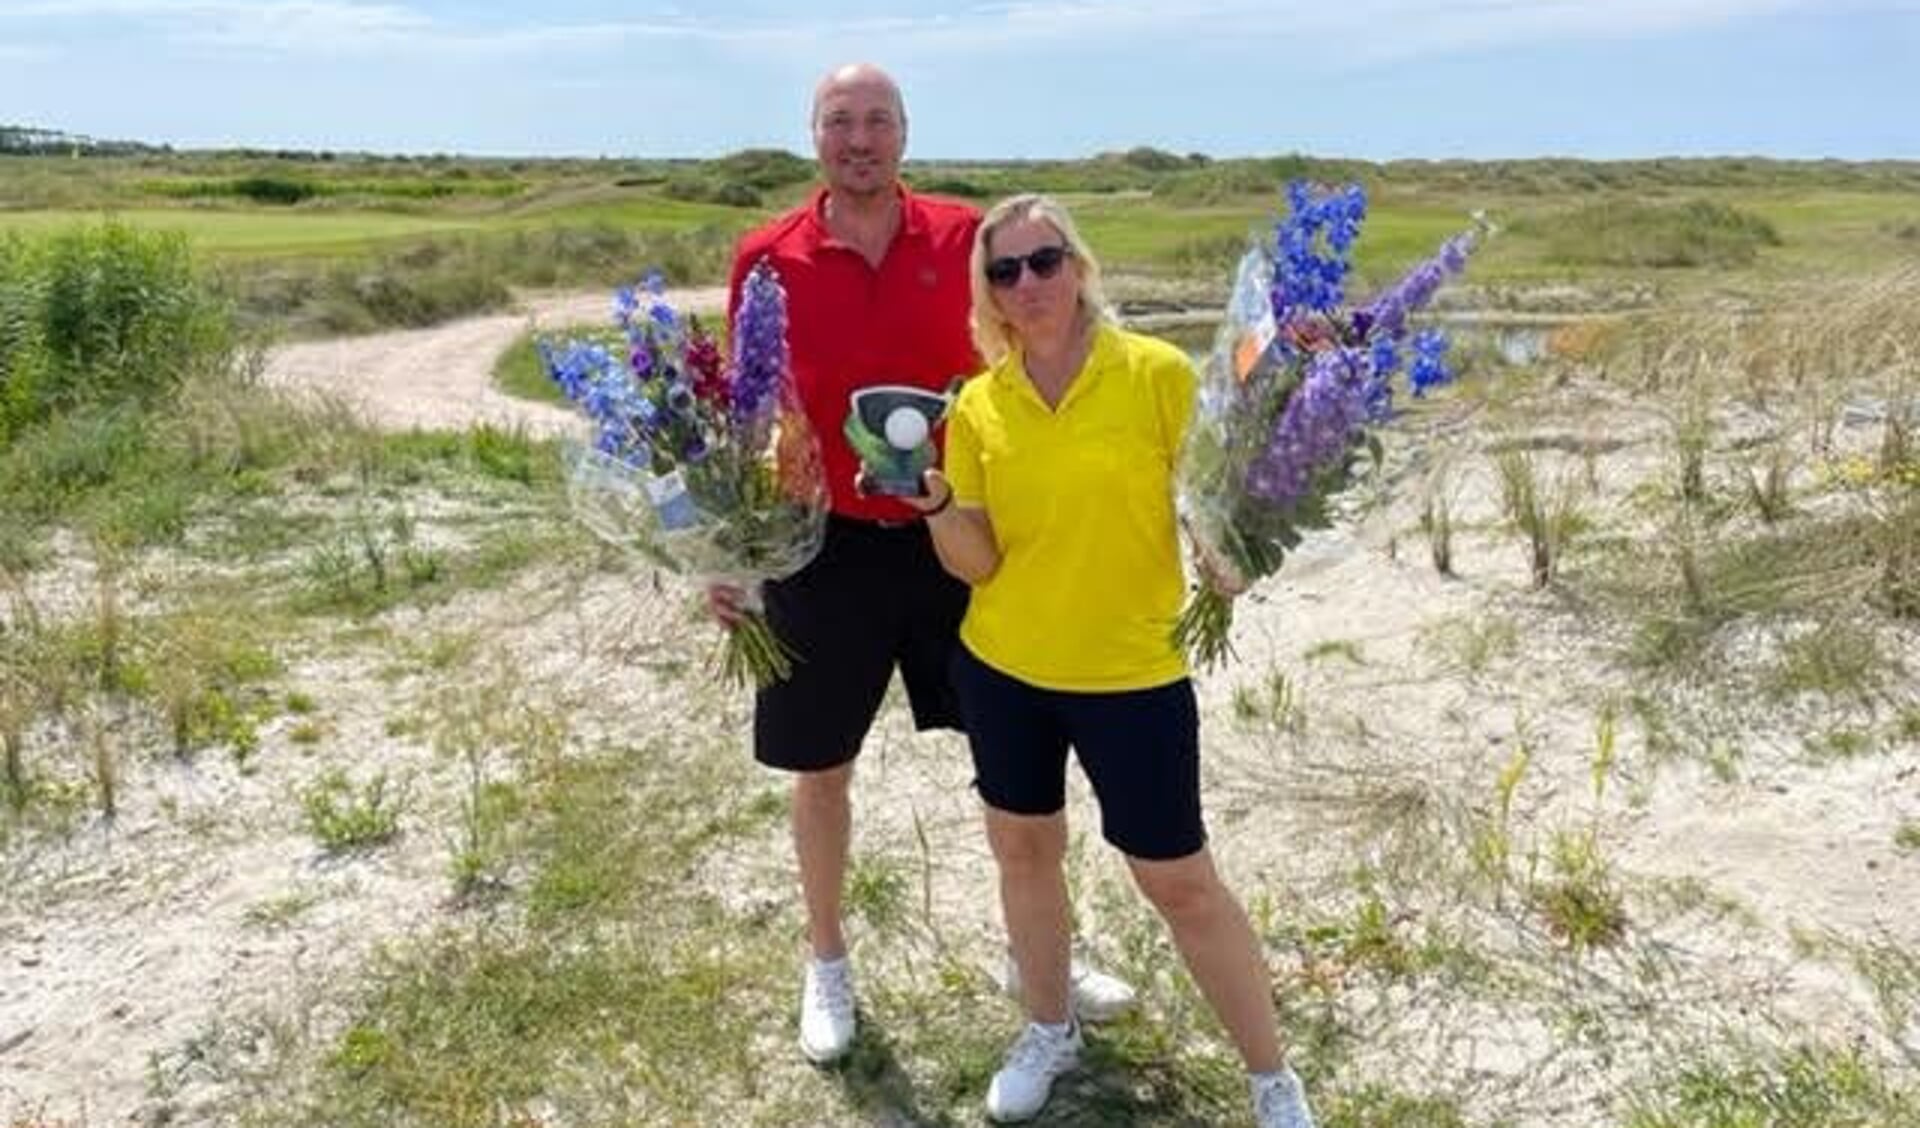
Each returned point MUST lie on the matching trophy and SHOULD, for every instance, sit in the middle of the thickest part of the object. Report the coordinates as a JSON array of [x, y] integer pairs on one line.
[[890, 427]]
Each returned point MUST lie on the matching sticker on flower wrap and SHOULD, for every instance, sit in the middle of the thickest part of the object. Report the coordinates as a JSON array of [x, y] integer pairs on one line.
[[672, 504]]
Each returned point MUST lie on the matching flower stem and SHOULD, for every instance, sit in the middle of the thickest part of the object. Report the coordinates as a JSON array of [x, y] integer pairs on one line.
[[1201, 631], [753, 654]]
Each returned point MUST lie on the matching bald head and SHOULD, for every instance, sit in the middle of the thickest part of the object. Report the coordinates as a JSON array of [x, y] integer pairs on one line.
[[856, 79]]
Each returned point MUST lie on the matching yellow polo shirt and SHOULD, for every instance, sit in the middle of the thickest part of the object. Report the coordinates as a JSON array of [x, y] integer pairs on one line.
[[1081, 501]]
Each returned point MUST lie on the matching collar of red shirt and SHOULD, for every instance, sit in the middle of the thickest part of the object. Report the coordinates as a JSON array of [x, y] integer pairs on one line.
[[913, 221]]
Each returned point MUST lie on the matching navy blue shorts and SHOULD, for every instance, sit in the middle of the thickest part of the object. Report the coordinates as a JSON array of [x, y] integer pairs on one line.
[[876, 598], [1140, 749]]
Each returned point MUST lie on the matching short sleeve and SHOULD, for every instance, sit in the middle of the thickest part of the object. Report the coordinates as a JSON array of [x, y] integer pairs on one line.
[[963, 469], [1175, 384]]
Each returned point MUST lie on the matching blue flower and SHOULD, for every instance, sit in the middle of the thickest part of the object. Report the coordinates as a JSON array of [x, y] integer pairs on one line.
[[1305, 279], [1383, 355], [1429, 369]]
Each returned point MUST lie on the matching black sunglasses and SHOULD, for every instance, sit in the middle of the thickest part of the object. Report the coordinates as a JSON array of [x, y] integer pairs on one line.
[[1004, 272]]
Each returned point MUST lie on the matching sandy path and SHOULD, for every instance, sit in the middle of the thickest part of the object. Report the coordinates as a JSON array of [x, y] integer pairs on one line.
[[442, 376]]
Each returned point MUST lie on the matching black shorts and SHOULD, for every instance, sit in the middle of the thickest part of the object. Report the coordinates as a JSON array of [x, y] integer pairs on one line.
[[1140, 749], [875, 598]]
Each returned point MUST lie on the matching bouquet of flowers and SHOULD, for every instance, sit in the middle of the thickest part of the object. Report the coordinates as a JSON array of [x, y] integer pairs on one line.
[[1288, 397], [707, 468]]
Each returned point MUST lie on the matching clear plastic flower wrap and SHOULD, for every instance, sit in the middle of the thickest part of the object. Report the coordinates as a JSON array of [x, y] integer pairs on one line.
[[706, 468], [1288, 399]]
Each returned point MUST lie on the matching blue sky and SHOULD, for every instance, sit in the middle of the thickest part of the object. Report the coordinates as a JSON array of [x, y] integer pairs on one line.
[[1017, 78]]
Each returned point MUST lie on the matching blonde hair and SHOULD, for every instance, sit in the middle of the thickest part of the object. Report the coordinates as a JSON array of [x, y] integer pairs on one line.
[[992, 335]]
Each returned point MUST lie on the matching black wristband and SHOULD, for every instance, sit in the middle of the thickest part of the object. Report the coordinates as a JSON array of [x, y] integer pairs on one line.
[[942, 507]]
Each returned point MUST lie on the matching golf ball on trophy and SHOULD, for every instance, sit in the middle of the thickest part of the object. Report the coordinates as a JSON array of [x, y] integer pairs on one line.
[[906, 428]]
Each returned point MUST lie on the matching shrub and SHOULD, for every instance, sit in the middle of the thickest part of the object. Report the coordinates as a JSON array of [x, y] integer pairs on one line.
[[1228, 180], [693, 189], [953, 186], [274, 189], [342, 817], [735, 194], [456, 275], [726, 191], [1635, 234], [1153, 160], [101, 315], [763, 168]]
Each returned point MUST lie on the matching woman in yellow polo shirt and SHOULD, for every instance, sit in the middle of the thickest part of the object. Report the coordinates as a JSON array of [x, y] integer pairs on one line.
[[1056, 506]]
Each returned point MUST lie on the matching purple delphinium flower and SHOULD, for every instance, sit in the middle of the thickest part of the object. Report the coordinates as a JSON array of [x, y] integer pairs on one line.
[[1387, 312], [759, 347], [1319, 422]]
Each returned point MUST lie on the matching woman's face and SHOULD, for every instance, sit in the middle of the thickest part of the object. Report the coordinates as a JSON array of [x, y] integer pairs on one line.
[[1043, 296]]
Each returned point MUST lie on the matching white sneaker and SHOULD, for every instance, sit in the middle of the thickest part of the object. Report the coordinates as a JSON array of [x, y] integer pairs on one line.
[[826, 1011], [1020, 1089], [1279, 1101], [1094, 995]]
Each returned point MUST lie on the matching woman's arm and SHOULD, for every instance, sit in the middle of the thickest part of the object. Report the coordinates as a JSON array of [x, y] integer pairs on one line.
[[962, 535]]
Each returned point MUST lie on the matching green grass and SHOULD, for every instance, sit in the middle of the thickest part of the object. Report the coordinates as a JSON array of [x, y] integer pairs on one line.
[[1833, 1088], [1828, 231], [1837, 659], [242, 232], [251, 233], [342, 816], [1473, 644], [629, 1025], [1660, 235], [1149, 235]]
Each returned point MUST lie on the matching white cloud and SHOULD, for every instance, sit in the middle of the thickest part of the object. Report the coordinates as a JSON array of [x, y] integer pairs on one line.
[[1314, 34], [293, 25], [1353, 28]]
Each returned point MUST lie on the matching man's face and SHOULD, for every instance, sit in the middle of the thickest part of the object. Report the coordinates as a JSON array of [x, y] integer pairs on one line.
[[859, 135]]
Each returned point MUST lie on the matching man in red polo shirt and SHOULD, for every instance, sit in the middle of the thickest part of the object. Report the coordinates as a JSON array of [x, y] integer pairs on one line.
[[877, 293]]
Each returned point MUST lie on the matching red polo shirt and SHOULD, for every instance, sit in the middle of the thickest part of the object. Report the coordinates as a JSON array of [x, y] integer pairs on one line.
[[851, 325]]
